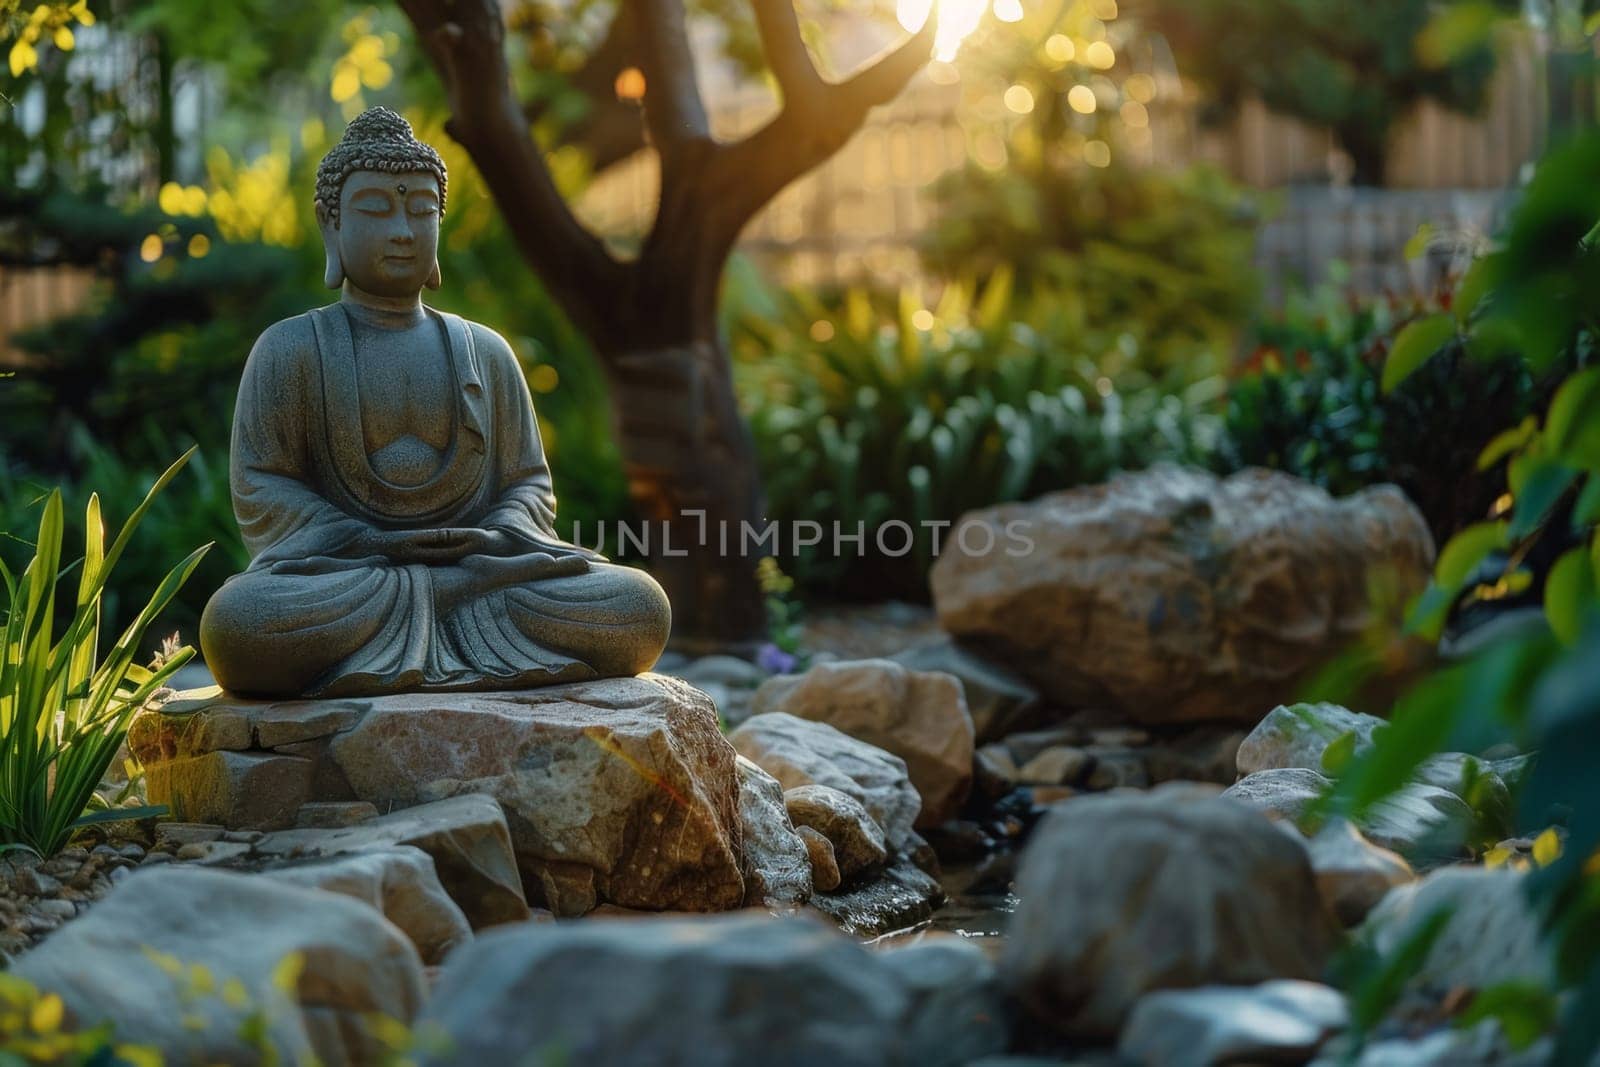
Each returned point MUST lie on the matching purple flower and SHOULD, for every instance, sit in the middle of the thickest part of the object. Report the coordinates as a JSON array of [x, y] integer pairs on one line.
[[774, 660]]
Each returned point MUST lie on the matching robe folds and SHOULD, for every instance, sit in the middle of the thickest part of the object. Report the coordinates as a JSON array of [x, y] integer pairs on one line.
[[315, 615]]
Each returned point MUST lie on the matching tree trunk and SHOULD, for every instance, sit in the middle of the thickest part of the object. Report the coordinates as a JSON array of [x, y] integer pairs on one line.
[[692, 475]]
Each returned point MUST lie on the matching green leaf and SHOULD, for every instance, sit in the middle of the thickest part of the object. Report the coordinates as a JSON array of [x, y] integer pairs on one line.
[[1417, 246], [1541, 488], [1475, 285], [1573, 425], [1508, 441], [1569, 593], [1586, 512], [1413, 347], [1525, 1011], [1337, 756], [1466, 550], [143, 811]]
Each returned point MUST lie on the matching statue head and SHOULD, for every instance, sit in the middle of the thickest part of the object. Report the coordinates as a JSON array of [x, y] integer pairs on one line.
[[380, 196]]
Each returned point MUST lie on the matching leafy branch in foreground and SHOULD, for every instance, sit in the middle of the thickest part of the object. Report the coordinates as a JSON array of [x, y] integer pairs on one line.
[[63, 709], [1530, 299]]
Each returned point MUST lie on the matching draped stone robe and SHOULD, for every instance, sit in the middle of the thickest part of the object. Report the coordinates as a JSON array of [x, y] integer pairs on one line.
[[314, 615]]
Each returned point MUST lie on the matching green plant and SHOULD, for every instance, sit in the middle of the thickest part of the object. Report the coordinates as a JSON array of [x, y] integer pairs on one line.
[[1310, 401], [1531, 299], [864, 418], [1160, 255], [197, 507], [63, 709]]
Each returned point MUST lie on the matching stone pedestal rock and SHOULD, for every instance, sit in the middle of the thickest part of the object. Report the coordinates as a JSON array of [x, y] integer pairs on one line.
[[618, 791]]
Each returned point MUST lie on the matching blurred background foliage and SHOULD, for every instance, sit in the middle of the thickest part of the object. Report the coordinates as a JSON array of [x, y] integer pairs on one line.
[[1079, 314]]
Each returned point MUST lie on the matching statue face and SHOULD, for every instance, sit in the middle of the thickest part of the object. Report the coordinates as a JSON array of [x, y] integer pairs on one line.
[[387, 237]]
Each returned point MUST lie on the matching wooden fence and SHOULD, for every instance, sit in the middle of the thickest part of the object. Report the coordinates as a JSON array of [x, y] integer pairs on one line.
[[33, 296]]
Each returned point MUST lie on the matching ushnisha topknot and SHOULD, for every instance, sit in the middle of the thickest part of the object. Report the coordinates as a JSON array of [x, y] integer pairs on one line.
[[377, 139]]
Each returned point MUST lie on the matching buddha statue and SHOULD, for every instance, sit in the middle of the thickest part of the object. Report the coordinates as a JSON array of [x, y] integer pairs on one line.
[[390, 484]]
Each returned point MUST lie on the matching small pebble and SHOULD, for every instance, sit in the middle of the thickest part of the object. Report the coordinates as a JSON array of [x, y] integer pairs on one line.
[[56, 909], [36, 883]]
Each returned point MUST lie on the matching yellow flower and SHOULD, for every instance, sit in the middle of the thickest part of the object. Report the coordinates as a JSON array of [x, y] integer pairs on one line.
[[45, 1018], [24, 56], [1547, 848]]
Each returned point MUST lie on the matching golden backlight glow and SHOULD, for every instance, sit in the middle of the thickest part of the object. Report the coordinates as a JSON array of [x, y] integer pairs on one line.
[[957, 19]]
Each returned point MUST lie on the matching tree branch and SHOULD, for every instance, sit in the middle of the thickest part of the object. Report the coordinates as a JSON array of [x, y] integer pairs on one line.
[[815, 122], [672, 106], [612, 129], [785, 50], [464, 40]]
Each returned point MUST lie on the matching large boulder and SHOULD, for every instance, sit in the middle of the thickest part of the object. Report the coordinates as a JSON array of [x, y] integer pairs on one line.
[[1121, 895], [920, 716], [704, 991], [617, 791], [800, 752], [1171, 594], [132, 959]]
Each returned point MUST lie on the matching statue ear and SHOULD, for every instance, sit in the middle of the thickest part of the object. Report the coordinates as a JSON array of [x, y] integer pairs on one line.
[[333, 271], [434, 278]]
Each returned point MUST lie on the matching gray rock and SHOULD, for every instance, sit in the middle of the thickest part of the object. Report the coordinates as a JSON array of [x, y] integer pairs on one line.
[[1353, 874], [334, 814], [1058, 765], [355, 964], [175, 835], [400, 882], [999, 700], [800, 752], [1296, 735], [1421, 822], [920, 716], [1483, 1045], [898, 899], [857, 840], [705, 991], [825, 876], [719, 669], [1492, 935], [777, 863], [1179, 892], [958, 1012], [1275, 1022], [466, 836]]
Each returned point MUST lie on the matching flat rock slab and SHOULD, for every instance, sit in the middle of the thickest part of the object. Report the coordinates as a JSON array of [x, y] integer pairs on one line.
[[617, 791]]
